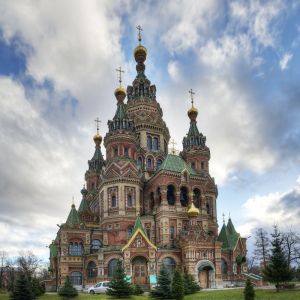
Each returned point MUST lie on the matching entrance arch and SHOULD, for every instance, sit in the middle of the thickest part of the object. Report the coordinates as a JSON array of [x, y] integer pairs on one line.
[[139, 270], [206, 274]]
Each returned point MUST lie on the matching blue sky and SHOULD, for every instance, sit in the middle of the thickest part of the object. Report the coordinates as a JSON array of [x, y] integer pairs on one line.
[[57, 73]]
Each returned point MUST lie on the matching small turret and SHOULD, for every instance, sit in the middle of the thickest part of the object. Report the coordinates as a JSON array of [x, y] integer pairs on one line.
[[73, 217]]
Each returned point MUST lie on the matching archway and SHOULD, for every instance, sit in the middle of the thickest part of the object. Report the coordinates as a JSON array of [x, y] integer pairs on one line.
[[206, 274], [139, 270]]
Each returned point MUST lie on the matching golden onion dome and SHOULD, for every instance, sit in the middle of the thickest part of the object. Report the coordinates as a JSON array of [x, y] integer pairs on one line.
[[193, 211], [97, 138], [120, 93], [193, 113], [140, 53]]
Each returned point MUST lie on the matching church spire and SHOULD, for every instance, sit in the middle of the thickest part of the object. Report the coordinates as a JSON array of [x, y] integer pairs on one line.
[[97, 161], [193, 138], [140, 53]]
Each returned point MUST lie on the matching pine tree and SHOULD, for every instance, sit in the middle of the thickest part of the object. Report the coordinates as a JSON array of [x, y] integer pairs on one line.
[[177, 287], [277, 270], [137, 290], [37, 289], [163, 287], [68, 291], [22, 289], [249, 293], [190, 285], [119, 287]]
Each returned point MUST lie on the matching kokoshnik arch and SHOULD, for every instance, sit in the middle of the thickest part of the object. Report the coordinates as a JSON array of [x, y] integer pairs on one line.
[[144, 205]]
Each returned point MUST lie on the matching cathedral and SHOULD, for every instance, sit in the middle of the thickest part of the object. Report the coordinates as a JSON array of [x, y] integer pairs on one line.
[[146, 205]]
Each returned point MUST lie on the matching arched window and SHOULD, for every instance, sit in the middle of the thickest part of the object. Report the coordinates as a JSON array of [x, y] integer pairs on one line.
[[184, 196], [171, 194], [92, 270], [96, 245], [129, 200], [172, 232], [129, 231], [207, 209], [149, 163], [169, 264], [202, 165], [197, 198], [224, 266], [159, 162], [116, 151], [113, 201], [112, 266], [76, 278], [75, 249], [126, 152], [193, 165], [155, 144], [149, 142], [139, 162]]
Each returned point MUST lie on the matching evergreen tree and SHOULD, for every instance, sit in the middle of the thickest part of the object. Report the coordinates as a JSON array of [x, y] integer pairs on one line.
[[22, 289], [190, 284], [177, 287], [163, 287], [119, 287], [37, 289], [68, 291], [137, 290], [277, 270], [249, 293]]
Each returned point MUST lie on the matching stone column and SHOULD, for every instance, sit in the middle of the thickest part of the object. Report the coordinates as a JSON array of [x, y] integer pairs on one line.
[[163, 191]]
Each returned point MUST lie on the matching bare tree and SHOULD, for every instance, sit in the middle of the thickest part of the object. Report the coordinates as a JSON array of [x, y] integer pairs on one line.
[[3, 262], [291, 245], [262, 245], [27, 264]]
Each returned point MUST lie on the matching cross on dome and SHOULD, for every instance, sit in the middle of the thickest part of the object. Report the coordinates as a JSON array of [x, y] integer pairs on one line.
[[173, 150], [97, 121], [120, 71], [192, 96], [139, 28]]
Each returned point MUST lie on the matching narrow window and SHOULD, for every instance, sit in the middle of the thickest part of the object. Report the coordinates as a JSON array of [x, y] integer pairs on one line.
[[155, 144], [172, 232], [139, 162], [113, 201], [129, 200], [159, 162], [126, 151], [115, 151], [149, 142], [202, 165], [149, 163], [193, 165]]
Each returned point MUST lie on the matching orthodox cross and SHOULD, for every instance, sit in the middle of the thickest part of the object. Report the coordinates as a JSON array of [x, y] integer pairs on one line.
[[223, 215], [139, 28], [173, 150], [192, 96], [97, 121], [120, 75]]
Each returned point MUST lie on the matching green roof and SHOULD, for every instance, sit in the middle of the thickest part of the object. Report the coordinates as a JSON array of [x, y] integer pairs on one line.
[[175, 163], [53, 250], [228, 236], [73, 218], [193, 131], [121, 112], [84, 206], [138, 225]]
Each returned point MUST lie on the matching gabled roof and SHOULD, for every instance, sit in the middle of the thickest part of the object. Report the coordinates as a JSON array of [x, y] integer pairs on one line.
[[175, 163], [73, 218], [138, 228], [228, 236]]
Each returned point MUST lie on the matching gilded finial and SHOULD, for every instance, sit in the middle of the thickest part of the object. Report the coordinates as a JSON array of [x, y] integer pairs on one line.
[[120, 92], [193, 211], [139, 28], [193, 111], [97, 136], [173, 149]]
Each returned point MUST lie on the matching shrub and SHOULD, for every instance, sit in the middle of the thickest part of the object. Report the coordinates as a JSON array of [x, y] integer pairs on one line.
[[22, 289], [68, 291], [137, 290], [249, 293], [163, 287]]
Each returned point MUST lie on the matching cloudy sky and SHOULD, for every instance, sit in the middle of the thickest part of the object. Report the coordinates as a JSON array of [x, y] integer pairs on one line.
[[57, 74]]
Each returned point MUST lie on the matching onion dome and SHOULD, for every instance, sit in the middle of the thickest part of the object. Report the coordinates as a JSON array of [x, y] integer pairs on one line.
[[193, 211], [140, 54], [193, 113], [97, 138], [84, 191], [120, 93]]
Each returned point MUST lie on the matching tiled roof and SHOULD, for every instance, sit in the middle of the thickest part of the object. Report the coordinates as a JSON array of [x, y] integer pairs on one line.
[[84, 206], [73, 218], [228, 236], [175, 163]]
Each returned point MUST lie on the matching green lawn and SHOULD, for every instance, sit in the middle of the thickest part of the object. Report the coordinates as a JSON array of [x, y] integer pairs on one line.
[[208, 295]]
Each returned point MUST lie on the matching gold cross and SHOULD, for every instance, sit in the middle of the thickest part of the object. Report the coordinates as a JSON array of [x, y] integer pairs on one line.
[[120, 74], [192, 96], [97, 124], [173, 150], [139, 28]]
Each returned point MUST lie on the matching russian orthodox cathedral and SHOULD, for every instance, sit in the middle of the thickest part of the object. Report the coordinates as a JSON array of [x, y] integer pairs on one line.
[[144, 205]]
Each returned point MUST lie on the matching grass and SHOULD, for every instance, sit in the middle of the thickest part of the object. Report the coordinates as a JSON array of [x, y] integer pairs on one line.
[[204, 295]]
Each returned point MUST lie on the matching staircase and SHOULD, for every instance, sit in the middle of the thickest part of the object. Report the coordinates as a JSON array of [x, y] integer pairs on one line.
[[255, 279]]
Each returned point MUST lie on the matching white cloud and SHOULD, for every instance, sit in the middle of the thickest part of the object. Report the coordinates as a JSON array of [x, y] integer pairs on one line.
[[283, 63], [272, 209], [174, 71]]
